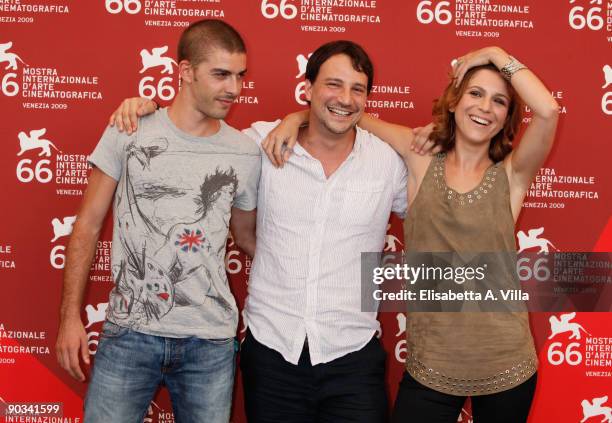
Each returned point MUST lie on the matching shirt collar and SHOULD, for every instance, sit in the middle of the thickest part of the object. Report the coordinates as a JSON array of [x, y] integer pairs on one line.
[[298, 150]]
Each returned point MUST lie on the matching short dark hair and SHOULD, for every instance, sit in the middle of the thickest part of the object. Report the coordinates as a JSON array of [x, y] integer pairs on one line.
[[359, 58], [202, 36]]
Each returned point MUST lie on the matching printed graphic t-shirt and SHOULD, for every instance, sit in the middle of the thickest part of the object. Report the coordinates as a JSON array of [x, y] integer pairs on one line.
[[170, 226]]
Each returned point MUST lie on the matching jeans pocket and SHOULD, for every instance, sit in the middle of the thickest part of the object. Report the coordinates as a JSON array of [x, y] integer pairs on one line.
[[111, 330], [221, 341]]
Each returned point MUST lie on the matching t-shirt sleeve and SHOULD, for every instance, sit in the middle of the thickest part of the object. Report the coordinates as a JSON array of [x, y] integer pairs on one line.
[[258, 130], [108, 154], [246, 199], [400, 187]]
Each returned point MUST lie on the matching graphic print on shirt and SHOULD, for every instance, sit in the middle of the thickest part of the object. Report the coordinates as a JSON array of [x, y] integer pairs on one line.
[[166, 251]]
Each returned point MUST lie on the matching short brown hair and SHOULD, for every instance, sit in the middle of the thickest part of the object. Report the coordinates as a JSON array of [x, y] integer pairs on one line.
[[202, 36], [443, 133], [359, 58]]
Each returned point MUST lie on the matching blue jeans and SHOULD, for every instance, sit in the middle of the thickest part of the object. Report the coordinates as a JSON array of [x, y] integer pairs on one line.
[[129, 366]]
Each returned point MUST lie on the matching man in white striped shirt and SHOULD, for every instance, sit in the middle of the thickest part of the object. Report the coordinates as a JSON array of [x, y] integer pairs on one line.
[[311, 354]]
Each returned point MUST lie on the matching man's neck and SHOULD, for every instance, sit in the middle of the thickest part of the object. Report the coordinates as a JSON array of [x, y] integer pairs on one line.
[[329, 148], [318, 140], [190, 120]]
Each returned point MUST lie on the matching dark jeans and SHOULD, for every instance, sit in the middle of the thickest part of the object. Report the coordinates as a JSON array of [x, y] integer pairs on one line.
[[348, 389], [417, 403]]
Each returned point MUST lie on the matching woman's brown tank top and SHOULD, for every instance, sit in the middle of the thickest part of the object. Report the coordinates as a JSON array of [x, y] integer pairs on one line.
[[466, 353]]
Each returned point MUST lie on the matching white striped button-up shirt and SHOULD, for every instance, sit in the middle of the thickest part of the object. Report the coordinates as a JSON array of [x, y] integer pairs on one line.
[[305, 281]]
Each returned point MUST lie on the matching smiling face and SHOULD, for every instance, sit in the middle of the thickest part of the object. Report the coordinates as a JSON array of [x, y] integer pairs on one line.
[[337, 96], [216, 82], [482, 108]]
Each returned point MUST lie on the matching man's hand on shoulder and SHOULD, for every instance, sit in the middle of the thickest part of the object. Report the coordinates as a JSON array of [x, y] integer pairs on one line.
[[421, 144], [280, 141], [127, 114]]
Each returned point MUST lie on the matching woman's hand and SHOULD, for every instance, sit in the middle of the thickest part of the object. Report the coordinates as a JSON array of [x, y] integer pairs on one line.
[[484, 56]]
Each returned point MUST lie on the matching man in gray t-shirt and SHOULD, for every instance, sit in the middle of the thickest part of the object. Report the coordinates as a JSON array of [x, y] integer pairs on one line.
[[177, 185], [171, 216]]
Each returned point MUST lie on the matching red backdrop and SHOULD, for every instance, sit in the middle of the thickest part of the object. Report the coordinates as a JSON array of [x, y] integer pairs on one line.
[[69, 63]]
